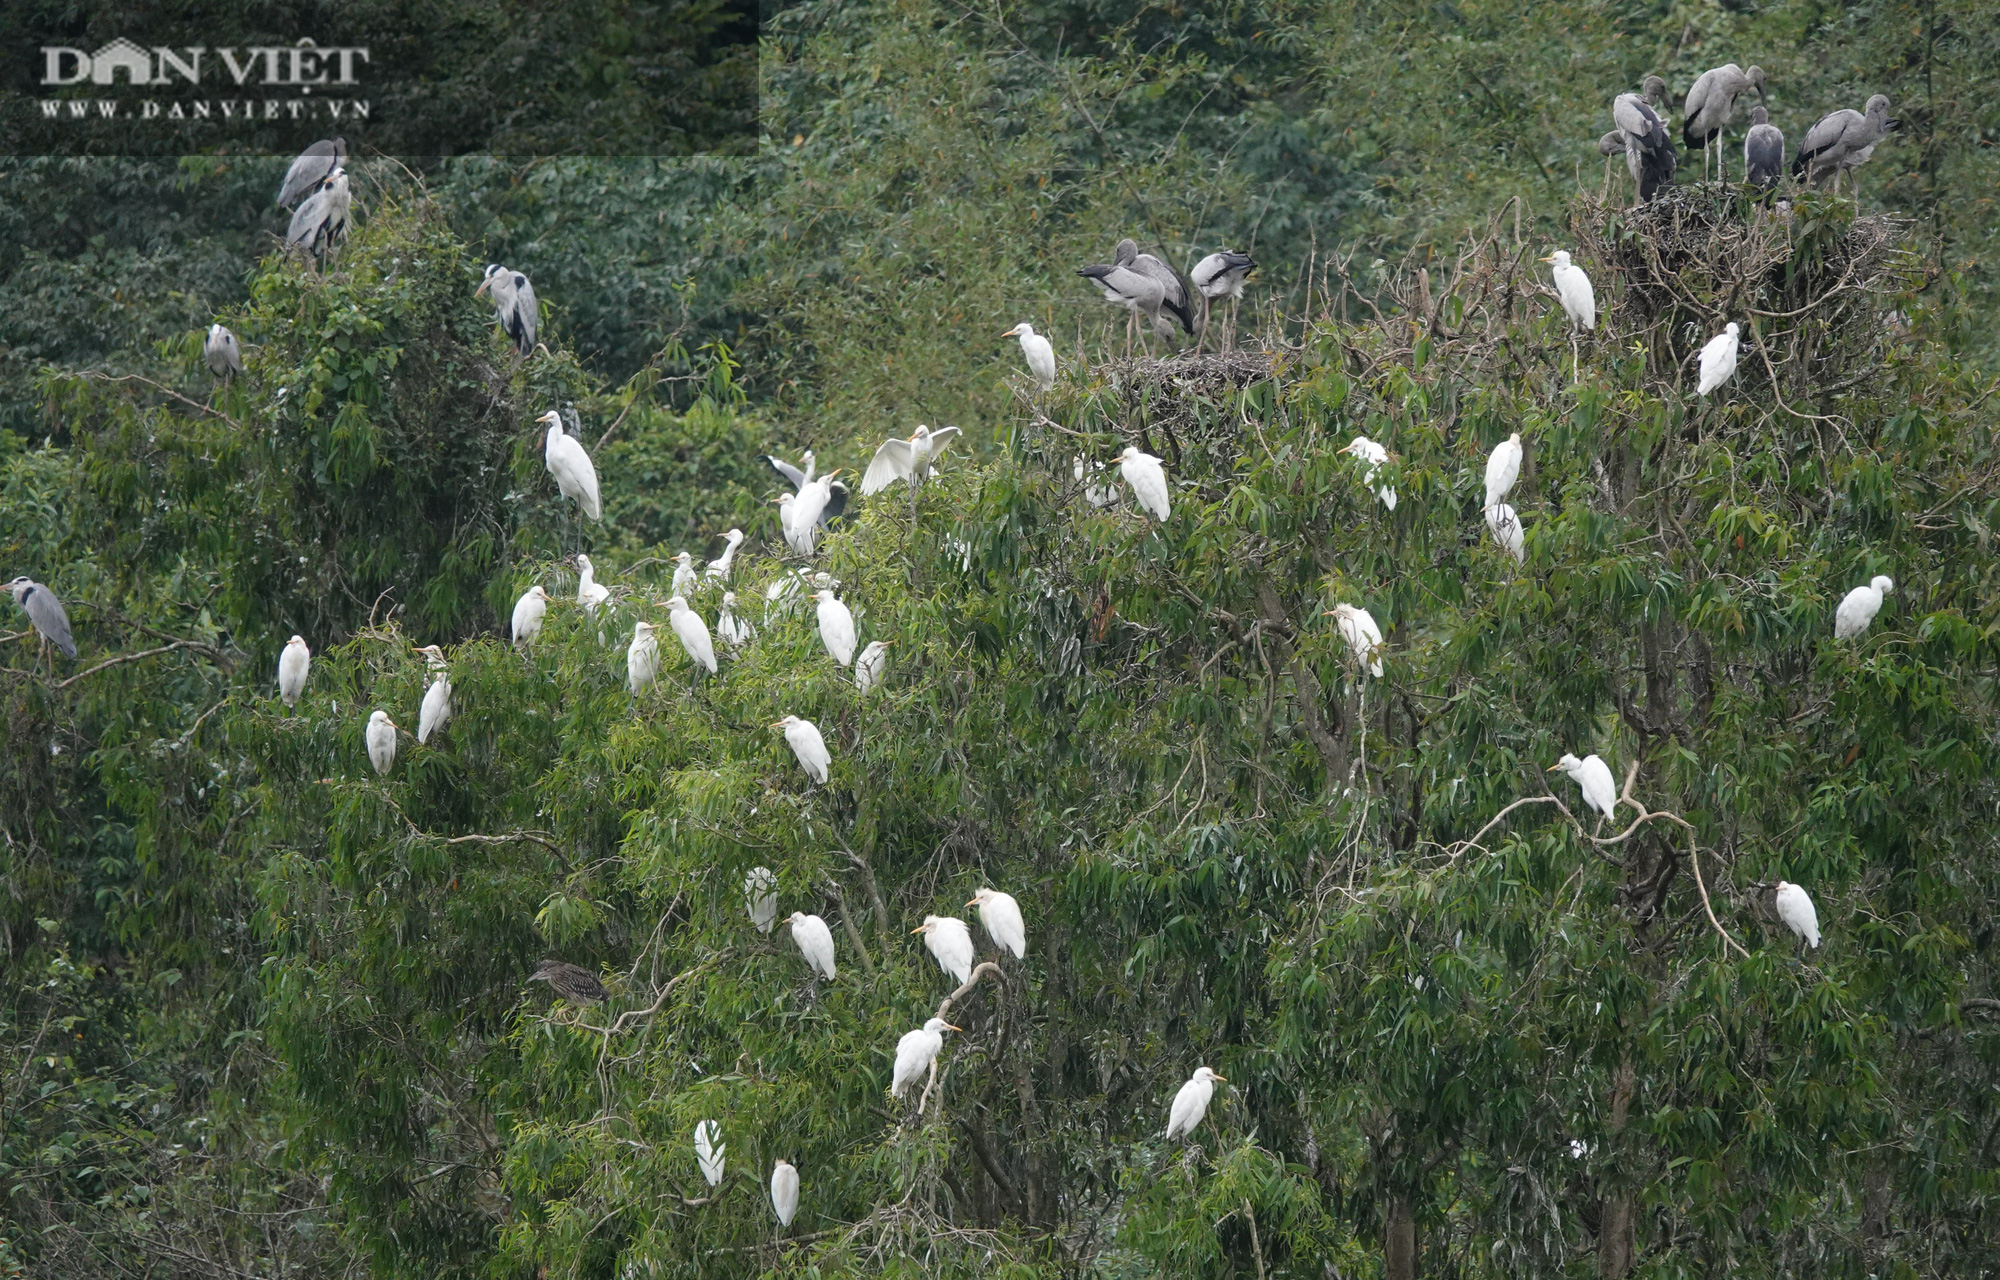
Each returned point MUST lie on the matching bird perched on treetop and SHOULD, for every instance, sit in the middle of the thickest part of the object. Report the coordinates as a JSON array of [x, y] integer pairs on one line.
[[1503, 468], [1357, 627], [1038, 351], [1649, 152], [380, 736], [949, 940], [1718, 359], [1763, 150], [1600, 792], [1372, 457], [1710, 102], [815, 942], [575, 477], [836, 627], [321, 222], [573, 983], [529, 610], [1795, 908], [1579, 300], [909, 459], [1859, 607], [49, 617], [310, 169], [1002, 917], [1841, 140], [293, 665], [915, 1053], [1148, 479], [1191, 1103], [804, 739], [514, 304], [436, 711]]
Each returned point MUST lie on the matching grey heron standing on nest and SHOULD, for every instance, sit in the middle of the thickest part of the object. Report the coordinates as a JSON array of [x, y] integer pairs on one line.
[[1711, 101], [1763, 150], [223, 353], [321, 222], [1649, 152], [310, 169], [1221, 275], [45, 612], [514, 305], [1843, 140], [1176, 299]]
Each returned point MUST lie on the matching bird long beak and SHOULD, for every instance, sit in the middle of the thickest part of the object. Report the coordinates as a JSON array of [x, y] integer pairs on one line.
[[885, 643], [1014, 332], [1552, 768], [775, 724], [482, 286], [949, 1027], [1550, 258], [1223, 1078], [920, 928]]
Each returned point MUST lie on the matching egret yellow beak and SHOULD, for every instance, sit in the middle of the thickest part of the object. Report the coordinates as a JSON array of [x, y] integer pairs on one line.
[[949, 1027], [1550, 258], [920, 928], [775, 724], [1223, 1078], [1014, 332], [885, 643], [1552, 768]]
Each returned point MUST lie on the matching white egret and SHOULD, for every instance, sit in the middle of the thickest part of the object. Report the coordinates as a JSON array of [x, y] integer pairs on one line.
[[815, 942], [693, 633], [868, 668], [836, 627], [1372, 456], [760, 895], [708, 1151], [529, 611], [514, 305], [1593, 776], [51, 620], [784, 1191], [950, 942], [1859, 607], [1503, 468], [1002, 917], [1041, 356], [807, 745], [575, 477], [915, 1053], [589, 591], [735, 632], [798, 478], [684, 574], [436, 710], [1097, 495], [1191, 1103], [1506, 526], [293, 664], [1148, 480], [1718, 359], [1357, 627], [221, 351], [1573, 288], [909, 460], [1795, 908], [800, 513], [380, 736], [642, 659], [719, 567]]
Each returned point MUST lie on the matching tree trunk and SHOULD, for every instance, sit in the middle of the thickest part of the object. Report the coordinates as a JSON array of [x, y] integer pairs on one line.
[[1616, 1245], [1399, 1241]]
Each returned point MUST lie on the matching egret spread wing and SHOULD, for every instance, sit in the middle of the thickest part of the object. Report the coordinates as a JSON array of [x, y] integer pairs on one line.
[[892, 462]]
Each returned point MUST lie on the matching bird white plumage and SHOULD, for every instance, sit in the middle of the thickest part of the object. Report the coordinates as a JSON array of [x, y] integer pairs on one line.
[[915, 1053], [784, 1192], [760, 896], [529, 611], [1859, 607], [1039, 353], [221, 351], [1357, 627], [1148, 480], [575, 477], [293, 665], [1573, 288], [1191, 1103], [909, 459], [381, 738], [1002, 917], [1372, 455], [815, 942], [1795, 908], [1503, 468], [693, 633], [1718, 359], [642, 659], [807, 745], [684, 574], [949, 941], [589, 591], [436, 711], [1600, 791], [1506, 526], [719, 567], [868, 668], [735, 632], [708, 1151], [836, 627]]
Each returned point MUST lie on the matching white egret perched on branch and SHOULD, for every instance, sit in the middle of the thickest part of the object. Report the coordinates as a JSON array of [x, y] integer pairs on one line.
[[693, 633], [869, 666], [685, 577], [797, 477], [310, 169], [1795, 908], [915, 1053], [815, 942], [836, 627], [1859, 607], [949, 940], [1037, 351], [807, 745], [1718, 359], [1372, 457], [719, 567], [1505, 524], [1591, 774], [1579, 299], [784, 1191], [380, 737], [735, 632], [571, 467], [1503, 468], [436, 711], [760, 895], [514, 305], [1002, 917], [1148, 479], [800, 513], [910, 460], [708, 1151], [589, 591], [293, 665], [1357, 627], [51, 621], [1191, 1103], [642, 659], [222, 352], [529, 610]]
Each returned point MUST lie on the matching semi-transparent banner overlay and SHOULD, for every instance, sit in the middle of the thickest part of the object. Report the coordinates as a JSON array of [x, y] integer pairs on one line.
[[431, 78]]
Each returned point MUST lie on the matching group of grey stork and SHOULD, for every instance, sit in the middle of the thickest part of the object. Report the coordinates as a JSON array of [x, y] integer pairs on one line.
[[1837, 144]]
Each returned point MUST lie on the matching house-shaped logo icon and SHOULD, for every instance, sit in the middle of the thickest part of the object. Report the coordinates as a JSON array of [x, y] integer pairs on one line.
[[121, 52]]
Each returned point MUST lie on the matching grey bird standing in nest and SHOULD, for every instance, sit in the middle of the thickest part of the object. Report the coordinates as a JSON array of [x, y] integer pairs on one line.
[[572, 982]]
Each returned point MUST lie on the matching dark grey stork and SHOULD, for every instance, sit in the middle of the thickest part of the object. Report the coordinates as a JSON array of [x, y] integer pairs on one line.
[[1138, 292], [1649, 151], [1711, 101], [1763, 150], [1842, 140], [45, 612], [312, 167], [514, 305], [222, 352], [1176, 299]]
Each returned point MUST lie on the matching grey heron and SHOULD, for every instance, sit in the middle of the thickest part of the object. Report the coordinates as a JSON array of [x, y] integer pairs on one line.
[[1038, 352], [321, 221], [1139, 292], [798, 477], [222, 352], [1649, 151], [45, 612], [1221, 275], [1842, 140], [1176, 299], [1710, 102], [514, 305], [909, 460], [1718, 359], [310, 169], [1763, 150], [575, 477]]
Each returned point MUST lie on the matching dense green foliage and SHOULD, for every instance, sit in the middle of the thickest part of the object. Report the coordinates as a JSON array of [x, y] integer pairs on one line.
[[266, 1012]]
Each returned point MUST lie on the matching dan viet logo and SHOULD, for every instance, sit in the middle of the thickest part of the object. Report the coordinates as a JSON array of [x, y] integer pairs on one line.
[[293, 72]]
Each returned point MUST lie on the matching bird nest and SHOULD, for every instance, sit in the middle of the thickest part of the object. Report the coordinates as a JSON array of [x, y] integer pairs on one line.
[[1185, 403]]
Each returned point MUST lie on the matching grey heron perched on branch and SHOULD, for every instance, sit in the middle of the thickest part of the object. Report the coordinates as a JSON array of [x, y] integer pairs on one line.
[[1843, 140], [45, 612], [223, 353], [799, 477], [1710, 102], [1763, 150], [310, 169], [1649, 152], [1221, 275], [321, 222], [514, 304]]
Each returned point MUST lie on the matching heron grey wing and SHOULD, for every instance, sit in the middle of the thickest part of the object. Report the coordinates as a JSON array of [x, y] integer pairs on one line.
[[1205, 271], [307, 218], [1099, 274], [1764, 154], [1706, 85], [1632, 116], [307, 171], [1827, 134], [793, 476], [527, 314], [836, 503], [46, 612]]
